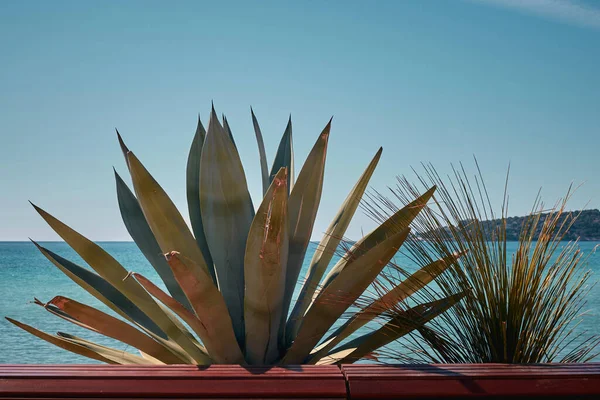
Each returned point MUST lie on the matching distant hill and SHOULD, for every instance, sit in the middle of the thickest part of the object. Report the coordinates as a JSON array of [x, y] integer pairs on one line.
[[586, 227]]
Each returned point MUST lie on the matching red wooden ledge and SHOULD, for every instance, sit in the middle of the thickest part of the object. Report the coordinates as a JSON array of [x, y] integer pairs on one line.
[[472, 380], [79, 381], [299, 382]]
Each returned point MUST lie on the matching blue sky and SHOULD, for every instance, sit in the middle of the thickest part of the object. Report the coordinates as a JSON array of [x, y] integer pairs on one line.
[[440, 81]]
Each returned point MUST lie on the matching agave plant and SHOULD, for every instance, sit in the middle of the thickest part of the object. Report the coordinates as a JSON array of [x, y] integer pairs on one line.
[[230, 279], [518, 308]]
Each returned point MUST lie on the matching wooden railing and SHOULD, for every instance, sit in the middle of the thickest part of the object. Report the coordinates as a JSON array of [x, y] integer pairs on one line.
[[300, 382]]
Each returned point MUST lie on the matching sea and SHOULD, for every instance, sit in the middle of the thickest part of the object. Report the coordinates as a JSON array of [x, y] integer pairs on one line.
[[26, 274]]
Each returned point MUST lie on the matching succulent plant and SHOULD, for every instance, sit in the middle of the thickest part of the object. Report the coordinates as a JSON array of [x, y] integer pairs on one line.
[[230, 279]]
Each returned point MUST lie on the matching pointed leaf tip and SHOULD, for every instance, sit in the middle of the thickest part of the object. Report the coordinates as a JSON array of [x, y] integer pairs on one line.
[[264, 169], [213, 117], [124, 147], [36, 244], [38, 209], [326, 130]]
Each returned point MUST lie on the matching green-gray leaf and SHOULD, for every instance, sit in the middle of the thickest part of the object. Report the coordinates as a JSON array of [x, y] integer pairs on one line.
[[303, 205], [328, 245], [193, 197], [102, 290], [140, 232], [264, 271], [402, 324], [261, 151], [284, 158], [227, 213]]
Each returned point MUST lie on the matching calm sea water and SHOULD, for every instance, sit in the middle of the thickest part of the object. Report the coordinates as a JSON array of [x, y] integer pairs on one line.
[[25, 274]]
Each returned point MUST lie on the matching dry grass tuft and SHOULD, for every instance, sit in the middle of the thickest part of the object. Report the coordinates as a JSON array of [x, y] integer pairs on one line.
[[518, 308]]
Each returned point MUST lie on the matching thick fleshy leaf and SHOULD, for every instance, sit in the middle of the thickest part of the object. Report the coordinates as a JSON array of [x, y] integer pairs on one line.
[[148, 357], [176, 307], [227, 213], [400, 292], [396, 223], [397, 327], [328, 246], [167, 224], [112, 298], [102, 290], [142, 235], [284, 158], [264, 169], [113, 272], [218, 334], [59, 313], [120, 356], [62, 343], [193, 198], [264, 269], [181, 326], [302, 210], [228, 130], [177, 356], [124, 148], [341, 294], [112, 327]]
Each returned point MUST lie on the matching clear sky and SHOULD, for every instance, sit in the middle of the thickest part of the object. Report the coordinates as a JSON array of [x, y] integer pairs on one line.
[[505, 80]]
